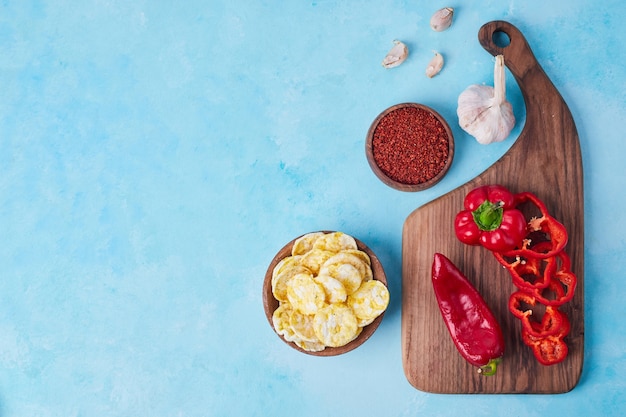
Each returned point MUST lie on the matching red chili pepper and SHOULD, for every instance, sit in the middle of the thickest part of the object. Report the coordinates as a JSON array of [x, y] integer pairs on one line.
[[472, 326], [490, 219], [540, 229]]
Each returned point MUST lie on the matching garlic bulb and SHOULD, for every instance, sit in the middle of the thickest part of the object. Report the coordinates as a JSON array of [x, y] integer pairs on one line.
[[435, 65], [396, 55], [483, 110], [442, 19]]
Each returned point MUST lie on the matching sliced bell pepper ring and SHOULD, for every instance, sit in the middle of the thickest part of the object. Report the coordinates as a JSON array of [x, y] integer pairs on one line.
[[561, 286], [565, 261], [529, 273], [521, 303], [544, 337], [559, 291], [548, 350], [553, 323], [539, 229]]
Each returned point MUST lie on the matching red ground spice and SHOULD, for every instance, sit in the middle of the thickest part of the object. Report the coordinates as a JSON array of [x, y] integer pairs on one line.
[[410, 145]]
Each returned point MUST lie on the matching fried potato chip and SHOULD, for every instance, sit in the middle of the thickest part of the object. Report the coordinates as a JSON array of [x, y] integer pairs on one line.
[[302, 325], [285, 263], [358, 332], [347, 274], [359, 254], [345, 257], [334, 289], [305, 294], [335, 242], [348, 269], [305, 243], [369, 301], [310, 346], [281, 319], [315, 258], [280, 281], [335, 325]]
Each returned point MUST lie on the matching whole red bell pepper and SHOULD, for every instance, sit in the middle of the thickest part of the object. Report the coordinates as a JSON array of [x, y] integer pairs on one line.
[[490, 219], [472, 325]]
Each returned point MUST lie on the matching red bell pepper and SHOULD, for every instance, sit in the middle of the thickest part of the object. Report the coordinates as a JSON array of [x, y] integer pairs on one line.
[[521, 303], [545, 336], [490, 219], [548, 350], [561, 288], [529, 273], [553, 323], [544, 228], [472, 325]]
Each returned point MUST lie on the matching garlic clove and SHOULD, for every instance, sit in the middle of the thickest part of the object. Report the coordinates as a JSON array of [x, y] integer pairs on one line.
[[484, 112], [397, 55], [435, 65], [442, 19]]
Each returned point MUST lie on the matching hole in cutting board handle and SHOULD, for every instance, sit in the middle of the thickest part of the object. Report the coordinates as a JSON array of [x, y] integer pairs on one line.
[[500, 38]]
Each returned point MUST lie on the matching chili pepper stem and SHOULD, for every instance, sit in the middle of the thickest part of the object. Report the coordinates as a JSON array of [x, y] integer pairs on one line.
[[489, 369]]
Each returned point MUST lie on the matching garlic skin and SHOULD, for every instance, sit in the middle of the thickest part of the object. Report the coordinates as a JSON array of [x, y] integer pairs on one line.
[[396, 56], [484, 112], [435, 65], [442, 19]]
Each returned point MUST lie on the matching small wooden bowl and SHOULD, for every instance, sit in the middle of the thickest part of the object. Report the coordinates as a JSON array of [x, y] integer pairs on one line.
[[271, 304], [369, 150]]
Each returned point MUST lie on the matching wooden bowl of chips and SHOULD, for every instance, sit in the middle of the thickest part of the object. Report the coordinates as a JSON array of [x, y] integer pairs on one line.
[[325, 293]]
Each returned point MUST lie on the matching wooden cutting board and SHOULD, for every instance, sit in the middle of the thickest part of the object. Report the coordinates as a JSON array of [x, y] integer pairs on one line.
[[545, 160]]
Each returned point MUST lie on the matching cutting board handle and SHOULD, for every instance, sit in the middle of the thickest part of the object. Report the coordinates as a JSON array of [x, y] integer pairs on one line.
[[518, 56], [541, 97], [517, 53]]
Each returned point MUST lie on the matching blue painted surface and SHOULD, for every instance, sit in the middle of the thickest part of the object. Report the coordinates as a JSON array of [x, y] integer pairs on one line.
[[155, 155]]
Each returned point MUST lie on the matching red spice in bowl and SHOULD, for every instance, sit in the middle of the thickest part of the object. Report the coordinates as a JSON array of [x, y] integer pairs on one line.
[[409, 147]]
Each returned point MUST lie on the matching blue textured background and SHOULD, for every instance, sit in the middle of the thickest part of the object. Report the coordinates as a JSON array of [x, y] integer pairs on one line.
[[154, 156]]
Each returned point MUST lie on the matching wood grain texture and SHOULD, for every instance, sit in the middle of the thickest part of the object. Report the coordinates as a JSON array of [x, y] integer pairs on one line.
[[545, 160]]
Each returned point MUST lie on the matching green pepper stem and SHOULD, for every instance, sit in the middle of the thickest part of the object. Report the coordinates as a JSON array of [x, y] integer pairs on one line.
[[489, 369], [488, 216]]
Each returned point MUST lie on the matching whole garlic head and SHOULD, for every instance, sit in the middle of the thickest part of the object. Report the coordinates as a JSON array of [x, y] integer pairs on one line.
[[484, 112]]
